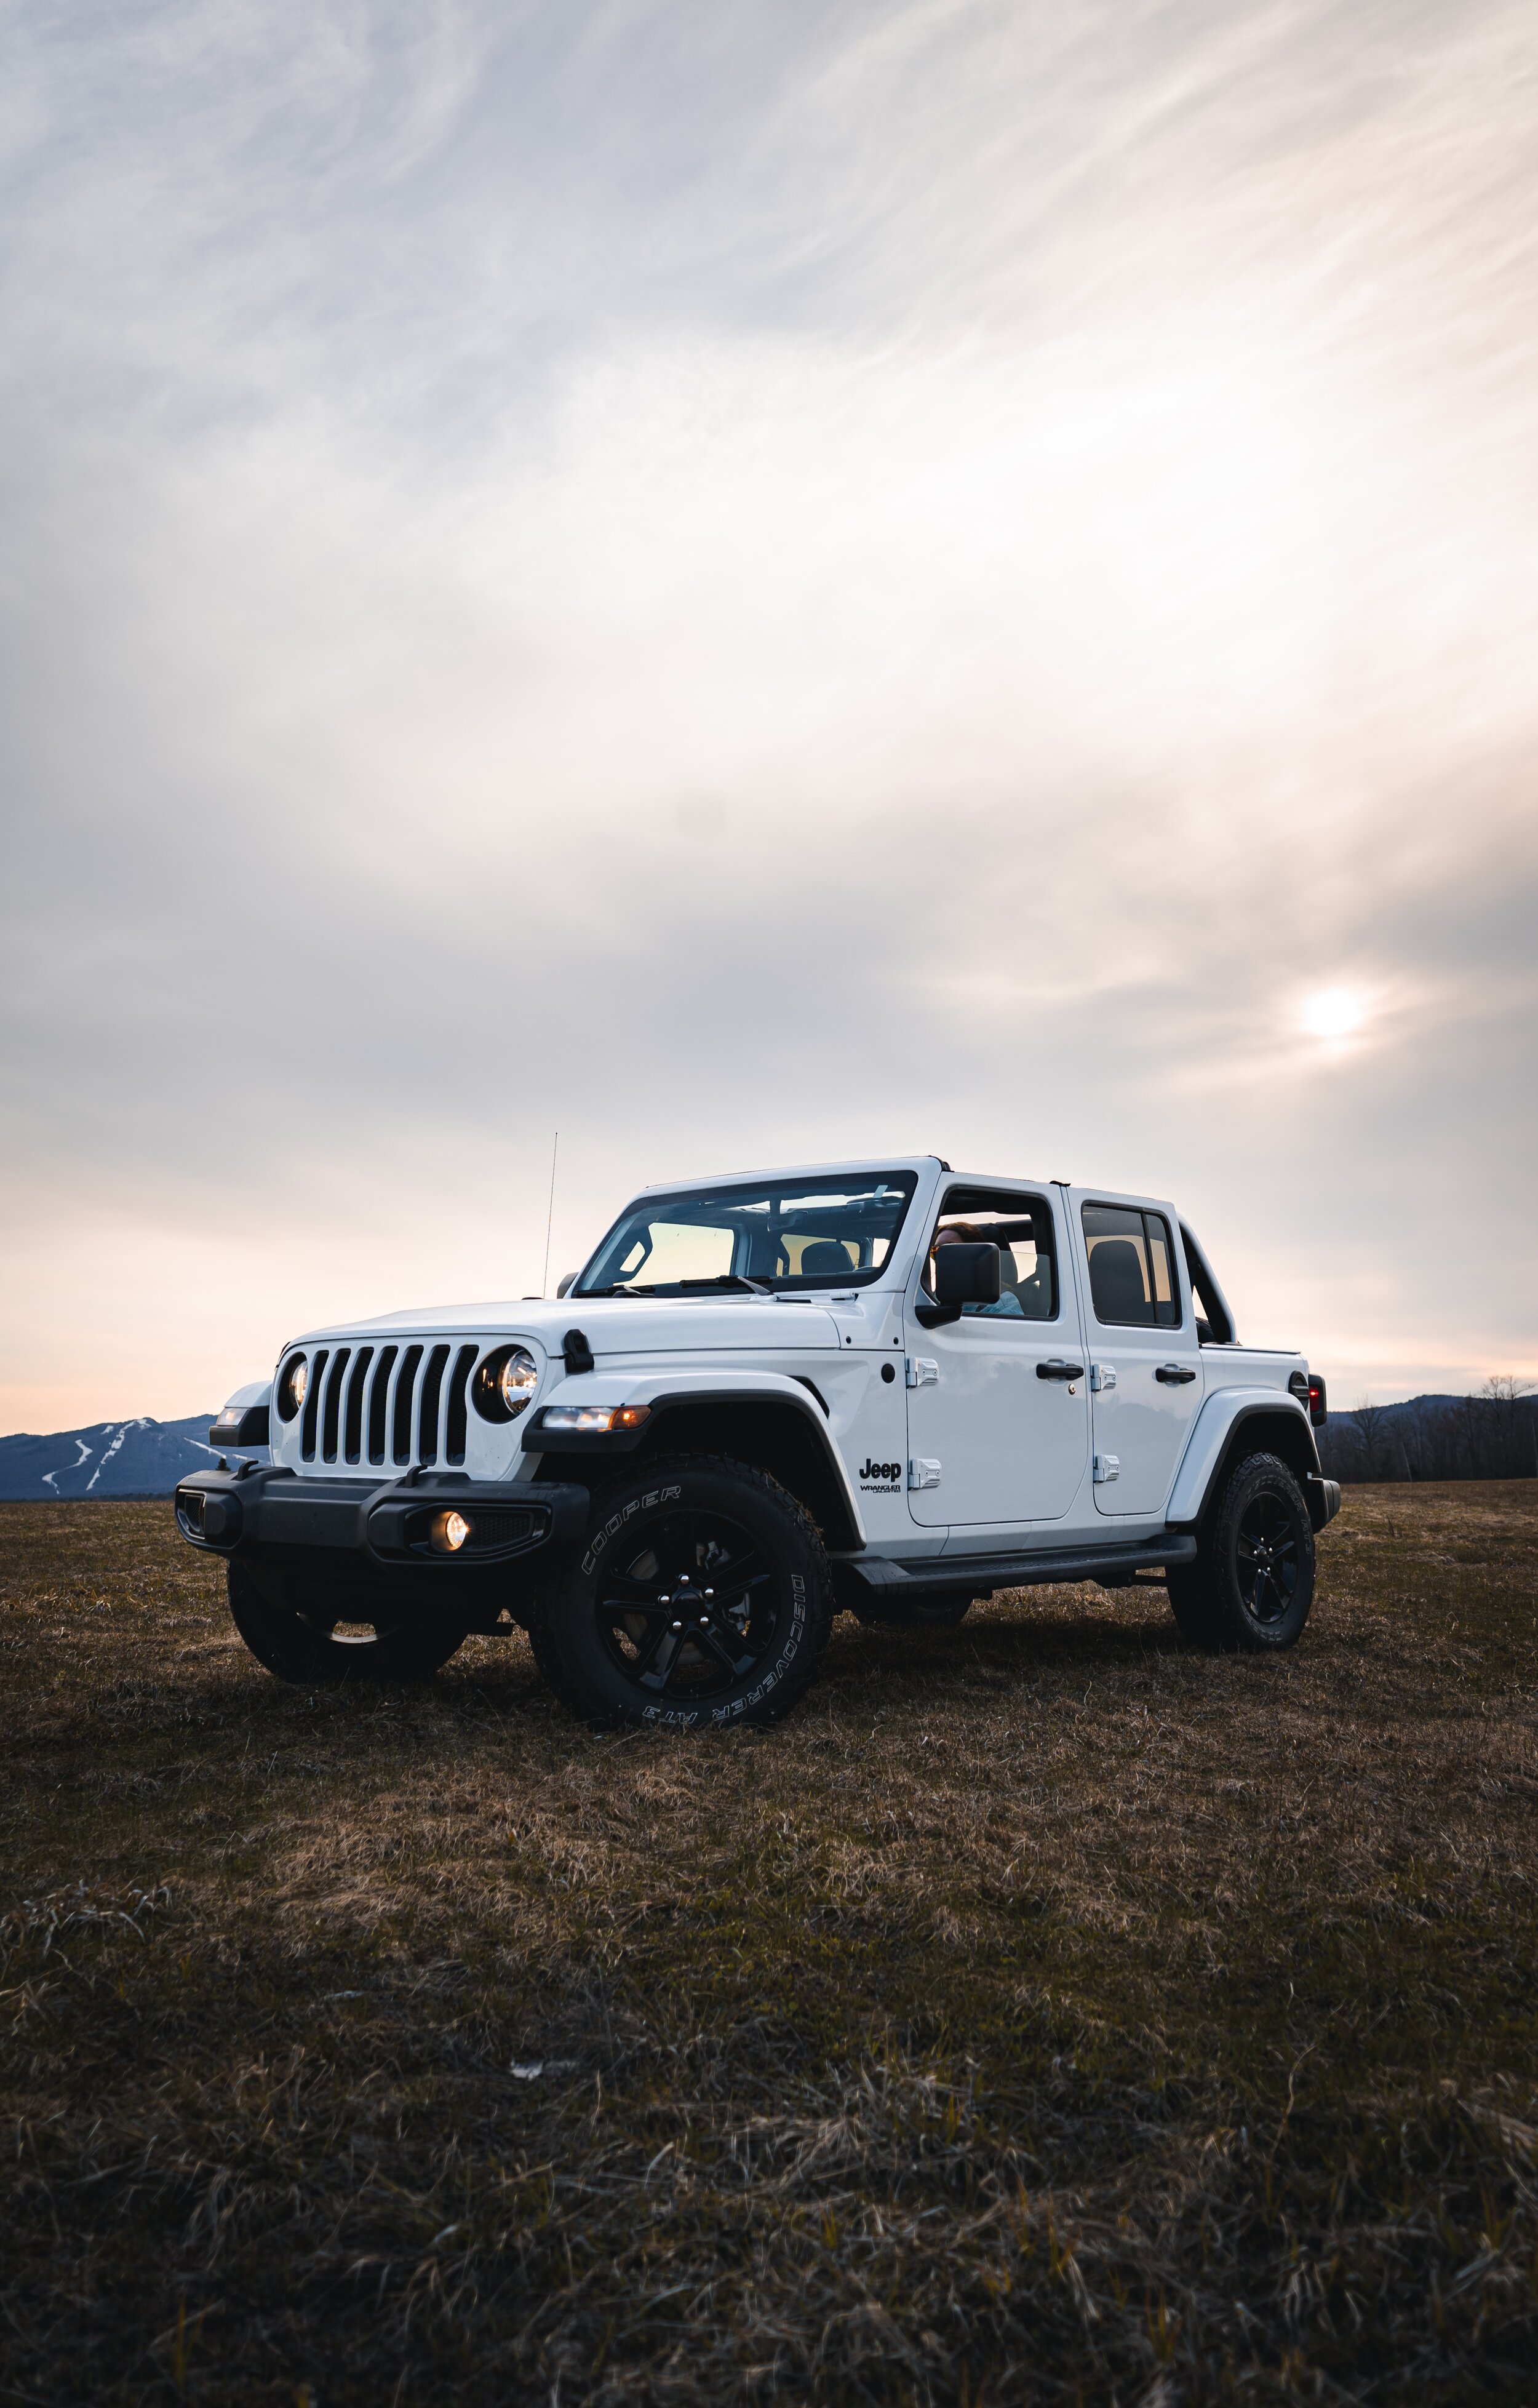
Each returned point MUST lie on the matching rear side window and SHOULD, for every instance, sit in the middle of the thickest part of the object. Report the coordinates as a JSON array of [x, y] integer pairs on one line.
[[1133, 1280]]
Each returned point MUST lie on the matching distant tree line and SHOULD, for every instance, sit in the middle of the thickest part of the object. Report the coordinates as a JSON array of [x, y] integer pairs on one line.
[[1493, 1436]]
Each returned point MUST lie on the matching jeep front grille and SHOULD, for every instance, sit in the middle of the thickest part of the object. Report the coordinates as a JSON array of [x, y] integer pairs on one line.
[[373, 1403]]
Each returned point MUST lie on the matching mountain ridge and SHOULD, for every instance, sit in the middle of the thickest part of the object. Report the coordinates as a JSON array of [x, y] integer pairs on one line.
[[139, 1457]]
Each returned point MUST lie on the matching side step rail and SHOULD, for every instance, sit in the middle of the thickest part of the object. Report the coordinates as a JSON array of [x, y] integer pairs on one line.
[[1041, 1566]]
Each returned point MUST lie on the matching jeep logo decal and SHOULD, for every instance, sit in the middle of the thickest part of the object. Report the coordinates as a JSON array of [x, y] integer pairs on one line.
[[869, 1470]]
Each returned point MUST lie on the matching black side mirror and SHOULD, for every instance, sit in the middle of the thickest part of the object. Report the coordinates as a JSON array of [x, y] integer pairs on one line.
[[967, 1274]]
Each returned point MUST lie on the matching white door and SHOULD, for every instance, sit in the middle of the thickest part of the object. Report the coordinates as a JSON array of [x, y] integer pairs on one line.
[[1146, 1364], [997, 1431]]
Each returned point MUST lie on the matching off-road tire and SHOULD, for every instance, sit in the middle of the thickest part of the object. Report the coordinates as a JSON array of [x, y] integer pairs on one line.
[[737, 1647], [294, 1642], [1251, 1586], [943, 1609]]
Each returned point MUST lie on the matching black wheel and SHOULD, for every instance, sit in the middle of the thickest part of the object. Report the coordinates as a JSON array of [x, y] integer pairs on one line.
[[703, 1598], [1252, 1584], [935, 1610], [321, 1633]]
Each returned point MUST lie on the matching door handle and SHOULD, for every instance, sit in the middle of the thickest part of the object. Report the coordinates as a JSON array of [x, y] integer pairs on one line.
[[1174, 1375], [1059, 1370]]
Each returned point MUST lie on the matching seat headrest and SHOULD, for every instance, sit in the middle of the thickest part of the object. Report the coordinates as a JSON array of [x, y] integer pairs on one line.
[[826, 1258], [1115, 1281]]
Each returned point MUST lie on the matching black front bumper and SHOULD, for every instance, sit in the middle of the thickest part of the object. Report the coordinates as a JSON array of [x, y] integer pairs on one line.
[[268, 1515]]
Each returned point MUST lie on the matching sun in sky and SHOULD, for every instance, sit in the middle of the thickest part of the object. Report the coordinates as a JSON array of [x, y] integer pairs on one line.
[[1335, 1014]]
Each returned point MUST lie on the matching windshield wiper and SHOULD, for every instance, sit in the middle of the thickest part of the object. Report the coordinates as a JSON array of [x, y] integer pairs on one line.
[[670, 1287]]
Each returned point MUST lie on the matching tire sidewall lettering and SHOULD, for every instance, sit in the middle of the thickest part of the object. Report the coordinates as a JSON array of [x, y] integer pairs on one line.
[[764, 1686], [616, 1522]]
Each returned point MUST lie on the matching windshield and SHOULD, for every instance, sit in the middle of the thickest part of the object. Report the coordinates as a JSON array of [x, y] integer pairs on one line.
[[834, 1232]]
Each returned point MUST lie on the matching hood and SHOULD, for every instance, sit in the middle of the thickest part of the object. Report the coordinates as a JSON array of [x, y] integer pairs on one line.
[[613, 1325]]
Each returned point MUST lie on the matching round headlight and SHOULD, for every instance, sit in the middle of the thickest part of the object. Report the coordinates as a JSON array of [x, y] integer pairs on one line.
[[504, 1384], [517, 1379], [293, 1381]]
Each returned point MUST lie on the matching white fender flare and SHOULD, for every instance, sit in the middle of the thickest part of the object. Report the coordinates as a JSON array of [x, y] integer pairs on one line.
[[663, 1388], [1214, 1425]]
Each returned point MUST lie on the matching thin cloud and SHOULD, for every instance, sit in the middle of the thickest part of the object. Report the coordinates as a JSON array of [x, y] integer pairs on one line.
[[758, 585]]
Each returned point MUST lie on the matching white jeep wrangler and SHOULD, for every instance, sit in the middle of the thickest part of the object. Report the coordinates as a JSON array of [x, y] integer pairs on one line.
[[880, 1386]]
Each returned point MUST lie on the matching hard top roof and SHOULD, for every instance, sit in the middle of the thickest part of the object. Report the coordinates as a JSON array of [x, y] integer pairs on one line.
[[933, 1165], [783, 1172]]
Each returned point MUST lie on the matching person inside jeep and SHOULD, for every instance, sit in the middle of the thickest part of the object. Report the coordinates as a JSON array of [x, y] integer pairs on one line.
[[1025, 1288], [962, 1233]]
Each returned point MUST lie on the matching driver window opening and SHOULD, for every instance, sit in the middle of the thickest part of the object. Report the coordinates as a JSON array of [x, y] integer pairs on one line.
[[1021, 1228]]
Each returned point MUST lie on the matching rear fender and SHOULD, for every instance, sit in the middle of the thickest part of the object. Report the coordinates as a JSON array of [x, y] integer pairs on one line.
[[1244, 1421]]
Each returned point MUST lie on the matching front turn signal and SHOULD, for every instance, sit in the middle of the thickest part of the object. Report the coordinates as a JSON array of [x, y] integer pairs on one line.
[[594, 1419]]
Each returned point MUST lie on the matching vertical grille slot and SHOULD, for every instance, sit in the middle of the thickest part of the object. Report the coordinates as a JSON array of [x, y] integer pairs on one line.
[[432, 1384], [313, 1404], [405, 1390], [379, 1404], [333, 1404], [352, 1427], [458, 1402]]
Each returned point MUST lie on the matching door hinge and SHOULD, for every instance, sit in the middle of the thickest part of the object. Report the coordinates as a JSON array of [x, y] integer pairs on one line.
[[921, 1370], [1107, 1467], [923, 1472], [1102, 1376]]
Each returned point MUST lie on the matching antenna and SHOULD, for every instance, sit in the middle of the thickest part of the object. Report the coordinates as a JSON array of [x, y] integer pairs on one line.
[[544, 1283]]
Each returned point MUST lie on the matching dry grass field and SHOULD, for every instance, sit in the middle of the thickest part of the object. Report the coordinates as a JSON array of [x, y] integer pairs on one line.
[[1044, 2013]]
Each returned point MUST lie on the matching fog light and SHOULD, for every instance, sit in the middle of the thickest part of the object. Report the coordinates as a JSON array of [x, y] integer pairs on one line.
[[450, 1531]]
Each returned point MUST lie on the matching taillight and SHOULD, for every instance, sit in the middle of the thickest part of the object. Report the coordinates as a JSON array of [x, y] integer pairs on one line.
[[1317, 1409]]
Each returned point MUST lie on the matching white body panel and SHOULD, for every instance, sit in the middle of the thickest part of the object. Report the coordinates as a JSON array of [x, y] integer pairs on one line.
[[1140, 1422], [1010, 1448]]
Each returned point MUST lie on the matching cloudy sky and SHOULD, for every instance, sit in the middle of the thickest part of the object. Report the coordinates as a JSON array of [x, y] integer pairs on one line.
[[751, 583]]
